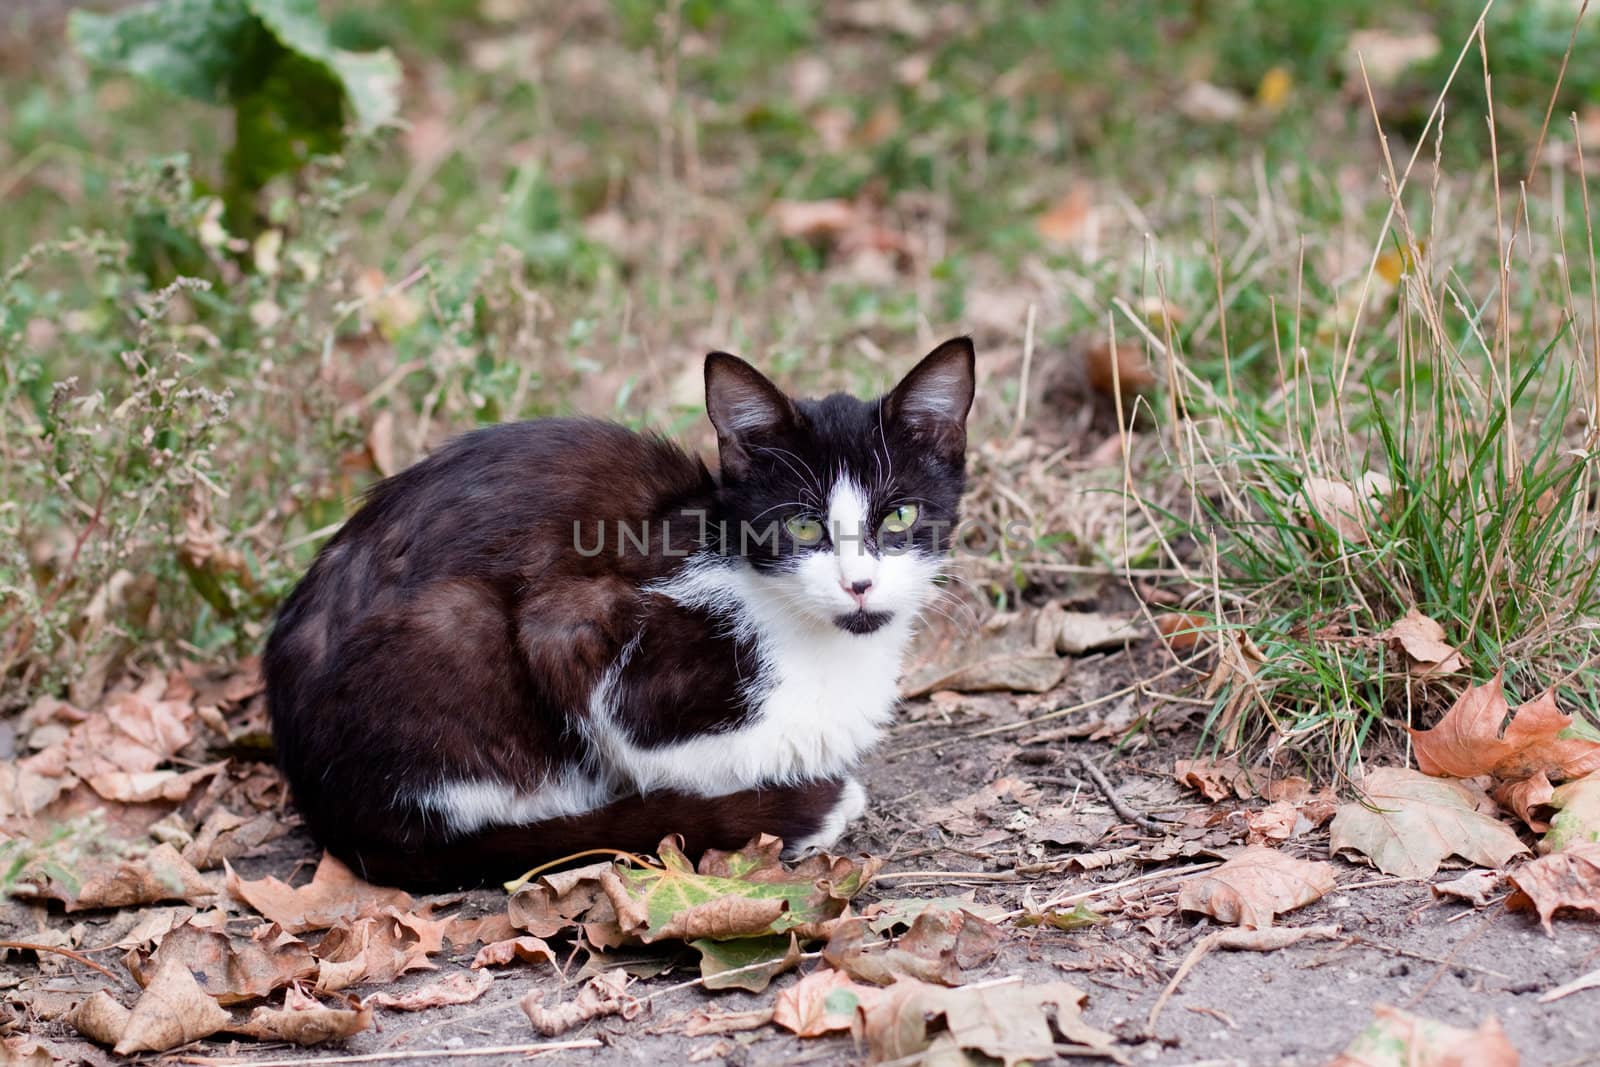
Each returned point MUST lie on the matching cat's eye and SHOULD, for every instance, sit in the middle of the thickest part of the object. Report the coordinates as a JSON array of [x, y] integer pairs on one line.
[[900, 519], [806, 531]]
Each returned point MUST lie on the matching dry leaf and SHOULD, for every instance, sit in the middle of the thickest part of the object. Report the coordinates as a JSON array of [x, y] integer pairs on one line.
[[704, 1022], [1255, 885], [1386, 54], [1577, 817], [1568, 880], [1541, 743], [1275, 824], [101, 1018], [1400, 1039], [1067, 217], [1216, 779], [1410, 822], [1422, 639], [374, 948], [22, 1051], [960, 816], [1204, 102], [604, 994], [1129, 367], [527, 949], [173, 1010], [1475, 887], [303, 1020], [941, 946], [822, 1002], [161, 874], [229, 969], [333, 894], [1347, 509], [1072, 633], [1183, 632], [456, 989]]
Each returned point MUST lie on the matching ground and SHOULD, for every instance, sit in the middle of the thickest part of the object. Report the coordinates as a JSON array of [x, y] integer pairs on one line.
[[1397, 943]]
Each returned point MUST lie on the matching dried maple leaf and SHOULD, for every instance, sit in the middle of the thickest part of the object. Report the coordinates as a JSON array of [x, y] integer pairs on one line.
[[229, 969], [939, 947], [1540, 739], [456, 989], [161, 874], [1255, 885], [333, 894], [823, 1002], [173, 1010], [527, 949], [1577, 817], [1409, 822], [1475, 887], [1400, 1039], [604, 994], [22, 1051], [1567, 880], [1216, 779], [373, 948], [304, 1020], [1422, 640], [1347, 510]]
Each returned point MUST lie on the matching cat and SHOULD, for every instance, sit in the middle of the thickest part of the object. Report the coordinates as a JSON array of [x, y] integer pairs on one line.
[[559, 635]]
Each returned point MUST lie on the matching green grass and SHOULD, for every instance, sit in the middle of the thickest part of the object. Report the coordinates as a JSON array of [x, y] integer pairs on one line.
[[581, 206]]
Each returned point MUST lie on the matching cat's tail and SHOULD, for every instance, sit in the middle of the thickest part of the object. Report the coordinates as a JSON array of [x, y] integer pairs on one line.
[[803, 815]]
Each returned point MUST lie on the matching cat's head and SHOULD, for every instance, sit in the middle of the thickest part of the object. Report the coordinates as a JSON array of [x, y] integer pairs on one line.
[[847, 505]]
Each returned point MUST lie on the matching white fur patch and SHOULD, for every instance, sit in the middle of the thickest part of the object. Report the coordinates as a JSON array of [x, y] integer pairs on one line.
[[826, 694], [851, 806], [475, 803]]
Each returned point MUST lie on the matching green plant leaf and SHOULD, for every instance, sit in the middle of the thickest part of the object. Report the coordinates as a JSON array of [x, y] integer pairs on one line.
[[1577, 818], [188, 47], [370, 80], [749, 963]]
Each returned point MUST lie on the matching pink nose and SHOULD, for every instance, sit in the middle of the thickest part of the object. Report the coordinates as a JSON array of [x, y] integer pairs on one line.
[[857, 590]]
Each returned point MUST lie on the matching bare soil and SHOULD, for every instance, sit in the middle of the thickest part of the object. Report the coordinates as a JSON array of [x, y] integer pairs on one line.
[[1399, 945]]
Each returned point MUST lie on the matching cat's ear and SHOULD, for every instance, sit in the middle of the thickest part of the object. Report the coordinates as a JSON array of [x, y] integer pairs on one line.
[[744, 407], [932, 401]]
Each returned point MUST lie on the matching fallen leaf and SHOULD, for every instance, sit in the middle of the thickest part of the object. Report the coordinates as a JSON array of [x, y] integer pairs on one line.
[[604, 994], [527, 949], [304, 1020], [898, 913], [229, 969], [1400, 1039], [1562, 881], [1275, 824], [161, 874], [941, 946], [1067, 218], [1256, 885], [706, 1021], [1387, 54], [1216, 779], [748, 963], [173, 1010], [1577, 817], [101, 1018], [823, 1002], [1126, 369], [1422, 640], [225, 836], [145, 787], [554, 903], [22, 1051], [333, 894], [456, 989], [960, 816], [373, 948], [1348, 510], [1270, 939], [1183, 632], [1072, 633], [1475, 887], [1204, 102], [1410, 822], [1540, 744]]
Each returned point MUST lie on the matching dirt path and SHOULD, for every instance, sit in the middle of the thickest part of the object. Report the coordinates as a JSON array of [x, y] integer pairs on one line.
[[1396, 943]]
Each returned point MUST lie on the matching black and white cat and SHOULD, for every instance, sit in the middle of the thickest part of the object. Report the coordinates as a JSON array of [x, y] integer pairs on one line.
[[558, 635]]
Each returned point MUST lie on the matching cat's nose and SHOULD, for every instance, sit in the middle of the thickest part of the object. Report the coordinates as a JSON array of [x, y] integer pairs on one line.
[[857, 589]]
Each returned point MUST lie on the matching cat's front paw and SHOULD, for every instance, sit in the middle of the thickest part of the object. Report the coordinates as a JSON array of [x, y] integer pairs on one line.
[[851, 805]]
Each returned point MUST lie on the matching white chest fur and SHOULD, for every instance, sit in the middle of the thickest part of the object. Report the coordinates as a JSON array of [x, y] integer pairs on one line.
[[825, 696]]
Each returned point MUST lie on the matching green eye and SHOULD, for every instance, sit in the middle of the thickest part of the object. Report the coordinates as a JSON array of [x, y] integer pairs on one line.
[[900, 519], [806, 531]]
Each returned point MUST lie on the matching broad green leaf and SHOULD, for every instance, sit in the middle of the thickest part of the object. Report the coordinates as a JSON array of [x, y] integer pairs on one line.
[[370, 80], [193, 48], [749, 963]]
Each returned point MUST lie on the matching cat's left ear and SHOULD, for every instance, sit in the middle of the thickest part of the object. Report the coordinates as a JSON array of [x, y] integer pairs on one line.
[[932, 401]]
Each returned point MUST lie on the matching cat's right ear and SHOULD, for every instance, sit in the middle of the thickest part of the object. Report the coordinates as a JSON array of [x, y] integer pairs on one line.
[[745, 407]]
